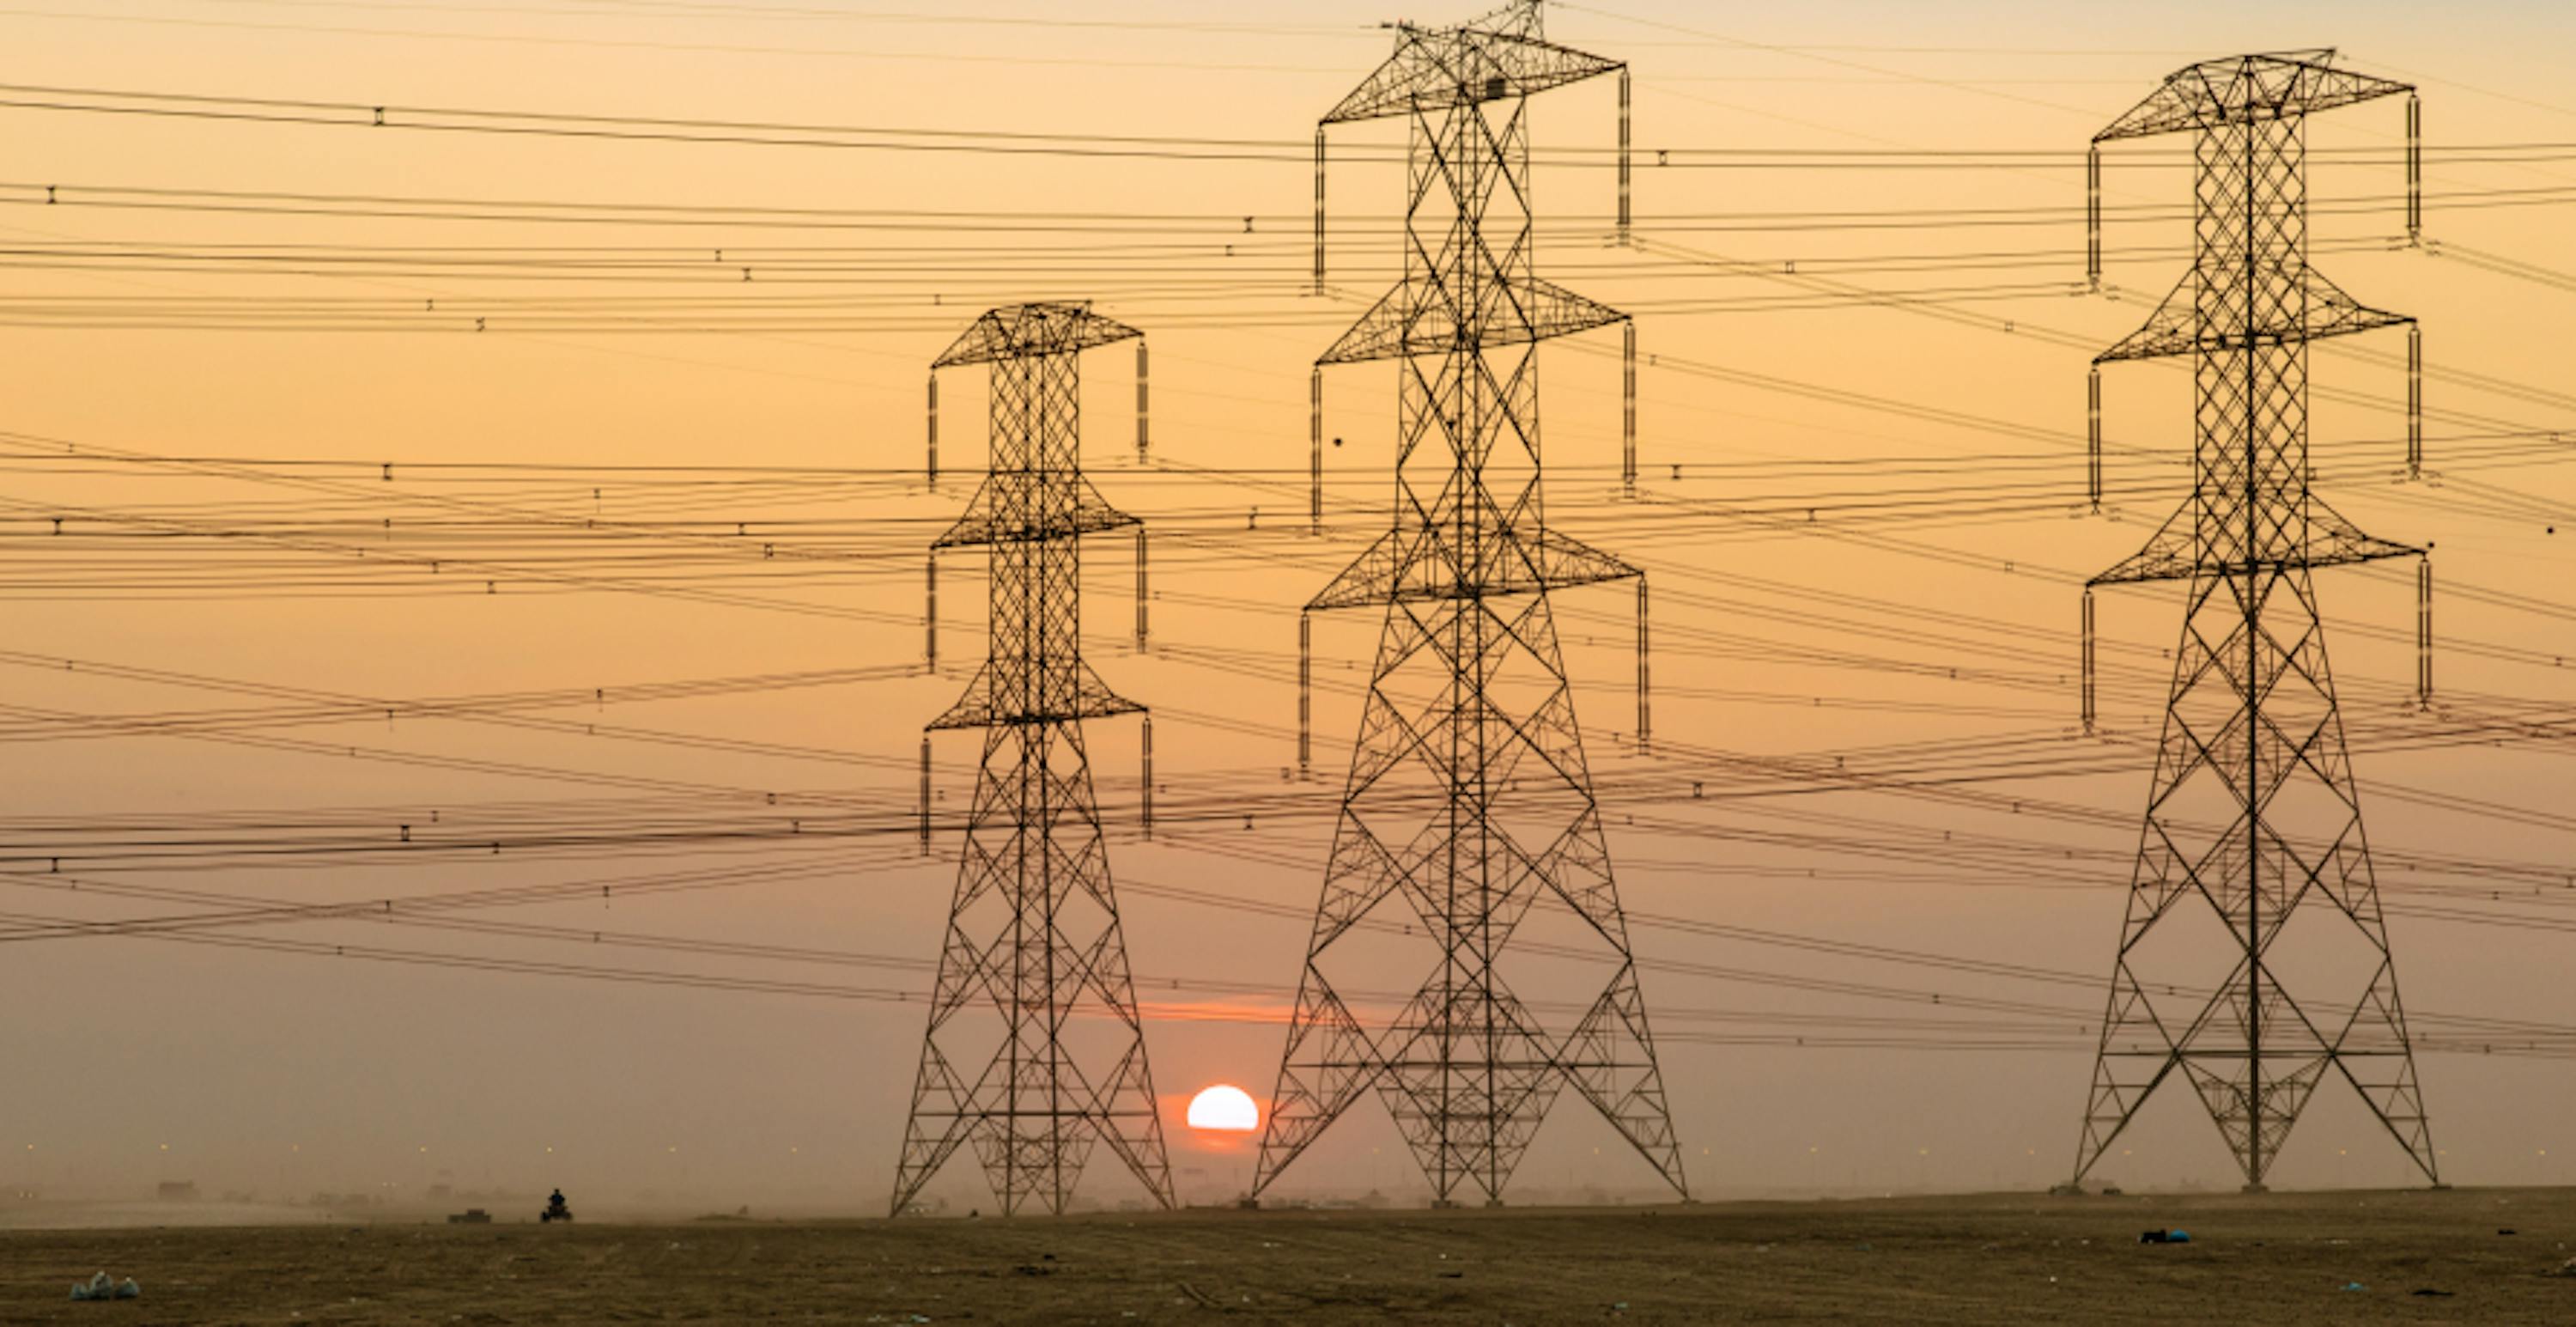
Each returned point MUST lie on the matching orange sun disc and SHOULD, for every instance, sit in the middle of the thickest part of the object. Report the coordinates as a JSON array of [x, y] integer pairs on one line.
[[1224, 1109]]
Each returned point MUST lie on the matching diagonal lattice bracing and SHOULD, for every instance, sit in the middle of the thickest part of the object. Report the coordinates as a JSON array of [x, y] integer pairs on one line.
[[1502, 56], [1469, 814], [2253, 870], [1035, 1053]]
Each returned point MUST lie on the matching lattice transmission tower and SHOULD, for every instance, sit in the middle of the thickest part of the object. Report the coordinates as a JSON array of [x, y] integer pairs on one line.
[[1035, 1052], [2255, 956], [1469, 801]]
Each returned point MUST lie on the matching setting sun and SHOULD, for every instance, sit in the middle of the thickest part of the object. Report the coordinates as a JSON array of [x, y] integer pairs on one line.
[[1224, 1109]]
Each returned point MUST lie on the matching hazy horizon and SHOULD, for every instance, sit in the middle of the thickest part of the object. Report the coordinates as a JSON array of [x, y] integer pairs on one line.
[[309, 577]]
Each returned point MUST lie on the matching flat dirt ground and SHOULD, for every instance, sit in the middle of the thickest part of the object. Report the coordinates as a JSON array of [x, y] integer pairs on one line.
[[2288, 1258]]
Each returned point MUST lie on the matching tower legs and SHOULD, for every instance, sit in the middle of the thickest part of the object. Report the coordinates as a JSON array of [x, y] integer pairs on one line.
[[1470, 800], [1035, 1052], [2254, 962]]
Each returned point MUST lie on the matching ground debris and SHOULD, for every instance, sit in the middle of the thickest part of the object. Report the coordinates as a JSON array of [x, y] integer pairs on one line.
[[103, 1286], [1928, 1266]]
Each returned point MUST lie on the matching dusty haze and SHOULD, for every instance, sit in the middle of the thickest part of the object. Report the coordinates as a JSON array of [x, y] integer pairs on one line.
[[1883, 633]]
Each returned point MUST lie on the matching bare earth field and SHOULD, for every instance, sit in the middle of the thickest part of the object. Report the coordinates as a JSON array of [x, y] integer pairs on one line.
[[2285, 1258]]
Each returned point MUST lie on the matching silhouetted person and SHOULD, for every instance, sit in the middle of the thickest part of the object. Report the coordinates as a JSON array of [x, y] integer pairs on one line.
[[555, 1209]]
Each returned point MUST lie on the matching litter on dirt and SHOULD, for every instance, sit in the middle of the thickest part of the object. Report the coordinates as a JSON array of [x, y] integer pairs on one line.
[[103, 1286]]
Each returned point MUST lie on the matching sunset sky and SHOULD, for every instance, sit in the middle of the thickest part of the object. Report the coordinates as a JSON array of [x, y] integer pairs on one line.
[[672, 490]]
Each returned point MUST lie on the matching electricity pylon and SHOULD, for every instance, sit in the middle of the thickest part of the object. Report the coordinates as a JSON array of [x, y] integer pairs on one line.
[[1035, 1050], [2253, 823], [1469, 798]]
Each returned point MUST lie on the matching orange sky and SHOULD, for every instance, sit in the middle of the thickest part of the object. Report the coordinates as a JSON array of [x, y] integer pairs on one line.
[[1776, 638]]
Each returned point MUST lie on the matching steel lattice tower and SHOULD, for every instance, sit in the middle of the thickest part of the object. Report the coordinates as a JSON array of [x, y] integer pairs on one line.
[[1035, 1050], [1469, 797], [2253, 818]]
